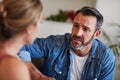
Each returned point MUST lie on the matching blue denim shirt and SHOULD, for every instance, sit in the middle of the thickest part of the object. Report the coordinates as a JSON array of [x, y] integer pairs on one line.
[[56, 51]]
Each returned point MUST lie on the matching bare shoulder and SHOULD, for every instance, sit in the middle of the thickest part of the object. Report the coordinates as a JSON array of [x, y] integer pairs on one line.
[[14, 69]]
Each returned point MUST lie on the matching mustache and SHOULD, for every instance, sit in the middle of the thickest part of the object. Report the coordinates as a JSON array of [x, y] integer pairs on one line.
[[78, 38]]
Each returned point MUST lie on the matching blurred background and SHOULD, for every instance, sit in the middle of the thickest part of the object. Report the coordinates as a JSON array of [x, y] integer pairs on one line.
[[109, 8]]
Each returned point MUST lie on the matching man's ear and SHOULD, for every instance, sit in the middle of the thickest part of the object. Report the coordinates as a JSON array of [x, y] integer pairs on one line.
[[97, 33]]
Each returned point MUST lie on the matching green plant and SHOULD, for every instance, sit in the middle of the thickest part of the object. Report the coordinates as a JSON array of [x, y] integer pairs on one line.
[[62, 16], [116, 49]]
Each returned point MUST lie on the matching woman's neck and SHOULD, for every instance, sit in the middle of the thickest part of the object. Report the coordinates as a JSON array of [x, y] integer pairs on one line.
[[11, 46]]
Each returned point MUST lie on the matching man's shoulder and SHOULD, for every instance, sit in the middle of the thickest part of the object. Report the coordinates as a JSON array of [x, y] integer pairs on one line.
[[103, 49], [100, 44], [60, 36], [54, 37], [54, 40]]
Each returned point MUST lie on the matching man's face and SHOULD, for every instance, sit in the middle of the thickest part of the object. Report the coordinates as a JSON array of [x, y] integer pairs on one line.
[[83, 30]]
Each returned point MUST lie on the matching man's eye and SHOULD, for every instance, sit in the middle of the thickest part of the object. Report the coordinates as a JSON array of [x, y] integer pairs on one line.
[[85, 29]]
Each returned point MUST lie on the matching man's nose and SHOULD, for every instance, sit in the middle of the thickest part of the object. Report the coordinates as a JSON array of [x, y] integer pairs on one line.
[[79, 32]]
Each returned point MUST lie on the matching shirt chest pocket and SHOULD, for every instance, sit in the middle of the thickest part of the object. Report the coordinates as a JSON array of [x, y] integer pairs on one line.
[[61, 71]]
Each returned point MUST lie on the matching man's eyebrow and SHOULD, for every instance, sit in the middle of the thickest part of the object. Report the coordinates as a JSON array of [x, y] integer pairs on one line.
[[75, 23], [86, 27]]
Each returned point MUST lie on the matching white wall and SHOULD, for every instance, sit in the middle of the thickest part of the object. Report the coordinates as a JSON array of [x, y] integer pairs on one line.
[[110, 10], [53, 6], [54, 28]]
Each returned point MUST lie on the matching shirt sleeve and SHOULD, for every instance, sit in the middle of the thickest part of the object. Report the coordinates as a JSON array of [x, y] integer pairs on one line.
[[35, 50], [25, 56]]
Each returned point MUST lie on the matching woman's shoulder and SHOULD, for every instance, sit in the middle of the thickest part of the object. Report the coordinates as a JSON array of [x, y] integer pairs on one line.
[[14, 68], [9, 60]]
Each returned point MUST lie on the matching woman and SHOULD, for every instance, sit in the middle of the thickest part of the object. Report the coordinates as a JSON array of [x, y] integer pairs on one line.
[[19, 23]]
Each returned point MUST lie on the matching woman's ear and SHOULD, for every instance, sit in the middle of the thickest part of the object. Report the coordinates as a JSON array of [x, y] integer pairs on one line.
[[29, 29], [97, 33], [29, 34]]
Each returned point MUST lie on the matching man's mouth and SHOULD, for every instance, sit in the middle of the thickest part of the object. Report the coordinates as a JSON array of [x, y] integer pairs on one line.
[[77, 40]]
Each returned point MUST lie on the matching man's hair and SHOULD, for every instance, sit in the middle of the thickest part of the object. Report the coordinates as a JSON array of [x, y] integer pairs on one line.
[[89, 11]]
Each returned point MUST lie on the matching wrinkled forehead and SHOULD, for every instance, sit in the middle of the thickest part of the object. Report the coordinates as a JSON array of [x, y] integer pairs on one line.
[[89, 21]]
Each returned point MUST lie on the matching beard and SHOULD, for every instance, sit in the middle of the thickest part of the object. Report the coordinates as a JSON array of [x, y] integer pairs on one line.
[[81, 40]]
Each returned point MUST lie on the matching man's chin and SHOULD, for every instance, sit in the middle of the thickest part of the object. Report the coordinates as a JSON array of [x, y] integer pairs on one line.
[[80, 47], [77, 45]]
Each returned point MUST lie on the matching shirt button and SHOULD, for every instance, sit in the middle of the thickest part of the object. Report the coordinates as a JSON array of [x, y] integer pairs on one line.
[[60, 72]]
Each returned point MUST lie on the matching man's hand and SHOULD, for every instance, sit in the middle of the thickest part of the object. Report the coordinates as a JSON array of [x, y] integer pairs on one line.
[[36, 74]]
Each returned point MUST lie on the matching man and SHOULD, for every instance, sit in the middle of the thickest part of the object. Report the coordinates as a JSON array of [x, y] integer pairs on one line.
[[76, 56]]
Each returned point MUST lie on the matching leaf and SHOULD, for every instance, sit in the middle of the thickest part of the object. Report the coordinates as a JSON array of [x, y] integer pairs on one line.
[[116, 50], [106, 36]]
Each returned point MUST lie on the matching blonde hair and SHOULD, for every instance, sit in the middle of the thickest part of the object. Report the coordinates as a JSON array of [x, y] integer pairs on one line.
[[15, 15]]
